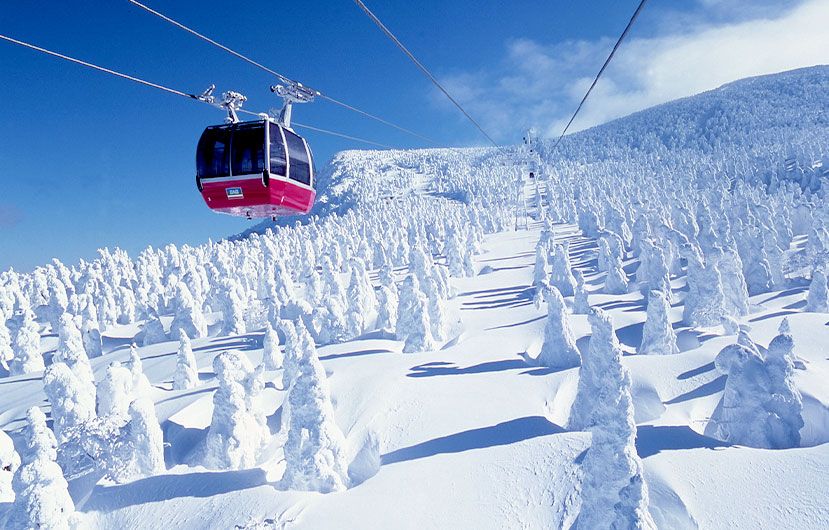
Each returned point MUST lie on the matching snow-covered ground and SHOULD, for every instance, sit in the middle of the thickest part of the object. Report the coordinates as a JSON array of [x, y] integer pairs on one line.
[[473, 432]]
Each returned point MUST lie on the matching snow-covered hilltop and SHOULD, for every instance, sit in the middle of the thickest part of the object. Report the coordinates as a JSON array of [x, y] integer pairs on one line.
[[634, 338]]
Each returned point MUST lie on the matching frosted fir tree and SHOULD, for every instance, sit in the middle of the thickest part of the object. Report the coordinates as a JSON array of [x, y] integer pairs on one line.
[[6, 352], [140, 384], [758, 271], [153, 331], [125, 305], [333, 287], [561, 276], [9, 462], [235, 437], [359, 303], [189, 317], [72, 403], [658, 336], [559, 349], [314, 450], [143, 441], [735, 291], [41, 492], [817, 300], [540, 273], [653, 272], [616, 281], [186, 375], [761, 406], [93, 343], [360, 287], [115, 391], [455, 255], [600, 371], [413, 325], [71, 351], [233, 309], [254, 384], [437, 311], [785, 329], [27, 355], [387, 308], [271, 354], [704, 303], [581, 304], [290, 359], [614, 493], [332, 321], [386, 275], [58, 301], [605, 256]]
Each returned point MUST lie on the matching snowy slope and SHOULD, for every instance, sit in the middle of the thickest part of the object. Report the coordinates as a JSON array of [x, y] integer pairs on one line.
[[471, 434]]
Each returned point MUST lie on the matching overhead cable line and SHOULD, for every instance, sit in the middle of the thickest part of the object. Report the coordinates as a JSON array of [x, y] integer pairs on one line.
[[422, 68], [601, 71], [281, 77], [99, 68], [200, 98]]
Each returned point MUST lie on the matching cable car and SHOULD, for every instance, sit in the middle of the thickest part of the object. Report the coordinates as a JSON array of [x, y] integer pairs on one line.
[[255, 169]]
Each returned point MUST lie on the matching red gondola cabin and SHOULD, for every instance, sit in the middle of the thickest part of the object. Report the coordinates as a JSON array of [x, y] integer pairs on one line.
[[255, 169]]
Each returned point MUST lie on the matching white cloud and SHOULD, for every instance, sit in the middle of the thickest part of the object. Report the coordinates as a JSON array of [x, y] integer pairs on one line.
[[541, 84]]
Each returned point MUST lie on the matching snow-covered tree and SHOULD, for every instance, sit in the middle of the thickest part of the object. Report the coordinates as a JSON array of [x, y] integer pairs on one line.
[[561, 276], [457, 256], [9, 462], [115, 391], [658, 336], [760, 407], [236, 435], [817, 300], [314, 450], [581, 304], [271, 354], [540, 274], [6, 352], [41, 492], [233, 308], [704, 303], [143, 441], [72, 403], [187, 371], [140, 384], [601, 375], [559, 349], [71, 351], [153, 331], [613, 493], [189, 317], [387, 308], [93, 343], [735, 291], [413, 325], [27, 355]]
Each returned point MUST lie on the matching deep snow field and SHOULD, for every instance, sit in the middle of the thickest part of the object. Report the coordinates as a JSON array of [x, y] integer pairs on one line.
[[474, 432]]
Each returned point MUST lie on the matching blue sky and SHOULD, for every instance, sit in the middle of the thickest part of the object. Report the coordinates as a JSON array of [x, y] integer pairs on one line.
[[88, 160]]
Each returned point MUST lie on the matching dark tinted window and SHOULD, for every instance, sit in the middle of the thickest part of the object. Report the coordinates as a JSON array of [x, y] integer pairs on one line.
[[248, 150], [278, 165], [300, 165], [311, 162], [212, 154]]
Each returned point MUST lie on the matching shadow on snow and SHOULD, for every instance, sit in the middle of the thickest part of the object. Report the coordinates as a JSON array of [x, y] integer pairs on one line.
[[505, 433]]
